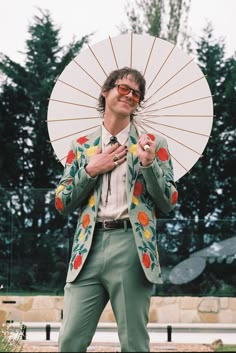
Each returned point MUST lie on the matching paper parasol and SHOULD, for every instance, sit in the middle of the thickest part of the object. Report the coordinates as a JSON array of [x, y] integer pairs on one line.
[[178, 103]]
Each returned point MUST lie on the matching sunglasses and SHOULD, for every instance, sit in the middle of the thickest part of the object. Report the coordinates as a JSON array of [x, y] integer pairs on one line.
[[123, 90]]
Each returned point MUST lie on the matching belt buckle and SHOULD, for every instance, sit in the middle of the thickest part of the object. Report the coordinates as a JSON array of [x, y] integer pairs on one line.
[[105, 225]]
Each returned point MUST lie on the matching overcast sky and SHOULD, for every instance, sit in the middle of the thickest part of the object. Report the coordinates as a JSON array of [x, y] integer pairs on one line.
[[78, 18]]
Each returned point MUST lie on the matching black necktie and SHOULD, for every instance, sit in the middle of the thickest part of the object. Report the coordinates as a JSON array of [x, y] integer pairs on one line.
[[113, 140]]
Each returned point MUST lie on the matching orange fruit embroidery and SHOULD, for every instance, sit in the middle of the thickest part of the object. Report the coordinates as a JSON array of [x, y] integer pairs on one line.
[[146, 260], [59, 204], [174, 197], [77, 261], [86, 221], [143, 218], [138, 188], [162, 154], [70, 157]]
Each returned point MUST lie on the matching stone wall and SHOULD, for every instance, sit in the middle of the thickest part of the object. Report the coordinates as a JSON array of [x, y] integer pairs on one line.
[[162, 310]]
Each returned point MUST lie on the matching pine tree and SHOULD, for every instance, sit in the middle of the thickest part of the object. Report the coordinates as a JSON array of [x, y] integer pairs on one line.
[[29, 169], [159, 18]]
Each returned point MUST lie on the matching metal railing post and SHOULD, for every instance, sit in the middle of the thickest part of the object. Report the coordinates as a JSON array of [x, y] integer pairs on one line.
[[23, 330], [48, 331], [169, 332]]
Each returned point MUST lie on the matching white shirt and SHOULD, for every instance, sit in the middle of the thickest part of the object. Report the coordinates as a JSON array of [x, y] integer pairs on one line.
[[116, 206]]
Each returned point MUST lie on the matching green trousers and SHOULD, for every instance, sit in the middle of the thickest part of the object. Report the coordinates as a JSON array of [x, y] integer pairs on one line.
[[112, 272]]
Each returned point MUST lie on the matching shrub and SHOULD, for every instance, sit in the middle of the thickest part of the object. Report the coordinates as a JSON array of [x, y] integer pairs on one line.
[[10, 338]]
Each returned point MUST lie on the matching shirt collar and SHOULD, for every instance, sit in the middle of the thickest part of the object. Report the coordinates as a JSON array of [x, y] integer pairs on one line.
[[121, 137]]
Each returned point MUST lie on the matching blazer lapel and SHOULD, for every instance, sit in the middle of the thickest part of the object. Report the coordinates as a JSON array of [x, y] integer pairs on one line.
[[132, 162], [94, 142]]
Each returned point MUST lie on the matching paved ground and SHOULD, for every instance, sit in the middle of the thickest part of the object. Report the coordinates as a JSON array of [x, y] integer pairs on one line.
[[162, 347]]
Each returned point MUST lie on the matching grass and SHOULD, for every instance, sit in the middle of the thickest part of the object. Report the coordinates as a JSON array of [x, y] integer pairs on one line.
[[226, 348]]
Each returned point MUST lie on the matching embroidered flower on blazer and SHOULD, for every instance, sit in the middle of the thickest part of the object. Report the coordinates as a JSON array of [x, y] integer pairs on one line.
[[70, 157]]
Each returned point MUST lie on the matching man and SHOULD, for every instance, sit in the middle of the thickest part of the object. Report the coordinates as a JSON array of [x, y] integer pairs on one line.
[[118, 188]]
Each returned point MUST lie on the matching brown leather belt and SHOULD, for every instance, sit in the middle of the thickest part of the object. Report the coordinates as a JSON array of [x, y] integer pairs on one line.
[[116, 224]]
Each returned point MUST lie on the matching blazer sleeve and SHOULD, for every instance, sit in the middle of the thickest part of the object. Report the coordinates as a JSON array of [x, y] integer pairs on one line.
[[159, 178], [75, 185]]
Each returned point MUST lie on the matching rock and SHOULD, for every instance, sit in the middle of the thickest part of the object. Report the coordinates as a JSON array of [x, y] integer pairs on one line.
[[217, 344]]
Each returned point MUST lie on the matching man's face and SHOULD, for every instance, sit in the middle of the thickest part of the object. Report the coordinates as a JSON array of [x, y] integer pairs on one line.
[[123, 99]]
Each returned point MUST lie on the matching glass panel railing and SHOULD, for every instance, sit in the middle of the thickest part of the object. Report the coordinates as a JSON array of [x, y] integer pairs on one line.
[[198, 258]]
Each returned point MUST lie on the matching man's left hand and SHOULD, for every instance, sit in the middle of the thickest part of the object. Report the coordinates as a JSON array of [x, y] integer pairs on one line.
[[146, 150]]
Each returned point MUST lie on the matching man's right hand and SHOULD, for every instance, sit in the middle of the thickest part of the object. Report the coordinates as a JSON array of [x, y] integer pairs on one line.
[[103, 162]]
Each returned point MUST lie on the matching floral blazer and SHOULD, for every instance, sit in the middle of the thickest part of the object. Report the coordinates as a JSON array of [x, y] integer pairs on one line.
[[148, 190]]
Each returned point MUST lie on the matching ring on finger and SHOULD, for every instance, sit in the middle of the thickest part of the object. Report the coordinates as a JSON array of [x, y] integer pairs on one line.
[[116, 163], [115, 158]]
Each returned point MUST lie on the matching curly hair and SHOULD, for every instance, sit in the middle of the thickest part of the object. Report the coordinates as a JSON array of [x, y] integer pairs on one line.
[[111, 81]]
